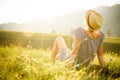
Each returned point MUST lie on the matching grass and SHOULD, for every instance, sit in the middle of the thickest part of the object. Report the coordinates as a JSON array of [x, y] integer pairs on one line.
[[112, 40], [18, 63], [36, 40]]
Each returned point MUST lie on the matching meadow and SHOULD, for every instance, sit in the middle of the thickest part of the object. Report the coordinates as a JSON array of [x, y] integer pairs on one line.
[[46, 40], [18, 63], [27, 56], [35, 40]]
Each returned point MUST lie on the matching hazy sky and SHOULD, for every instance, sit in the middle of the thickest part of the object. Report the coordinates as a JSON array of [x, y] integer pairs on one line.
[[27, 10]]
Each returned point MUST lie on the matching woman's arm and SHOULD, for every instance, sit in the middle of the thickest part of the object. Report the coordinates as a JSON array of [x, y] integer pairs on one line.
[[100, 55], [75, 46]]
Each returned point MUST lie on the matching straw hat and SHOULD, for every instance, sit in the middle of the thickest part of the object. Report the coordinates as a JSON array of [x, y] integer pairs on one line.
[[94, 20]]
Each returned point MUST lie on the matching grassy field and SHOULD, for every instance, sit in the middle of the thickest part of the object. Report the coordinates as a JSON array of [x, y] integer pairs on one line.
[[18, 63], [27, 56], [112, 40], [36, 40], [42, 40]]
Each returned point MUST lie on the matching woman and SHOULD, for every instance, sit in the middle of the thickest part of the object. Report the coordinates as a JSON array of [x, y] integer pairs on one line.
[[87, 42]]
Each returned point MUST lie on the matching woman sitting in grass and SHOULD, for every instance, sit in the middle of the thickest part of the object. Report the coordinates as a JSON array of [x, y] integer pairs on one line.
[[87, 42]]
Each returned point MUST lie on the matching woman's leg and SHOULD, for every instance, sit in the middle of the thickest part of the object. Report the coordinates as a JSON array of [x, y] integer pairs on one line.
[[59, 44]]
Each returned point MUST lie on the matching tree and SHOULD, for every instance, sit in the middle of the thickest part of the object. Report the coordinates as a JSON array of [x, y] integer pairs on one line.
[[108, 33], [53, 31]]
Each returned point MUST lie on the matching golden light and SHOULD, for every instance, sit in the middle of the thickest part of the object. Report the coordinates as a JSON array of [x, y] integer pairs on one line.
[[28, 10]]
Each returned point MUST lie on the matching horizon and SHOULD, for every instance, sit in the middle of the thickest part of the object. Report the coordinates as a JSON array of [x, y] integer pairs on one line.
[[62, 23]]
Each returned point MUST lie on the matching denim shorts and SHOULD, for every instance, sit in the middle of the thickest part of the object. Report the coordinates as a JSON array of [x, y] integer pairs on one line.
[[64, 54]]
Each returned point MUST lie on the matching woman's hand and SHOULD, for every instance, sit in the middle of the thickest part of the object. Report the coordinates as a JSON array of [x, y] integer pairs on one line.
[[69, 62]]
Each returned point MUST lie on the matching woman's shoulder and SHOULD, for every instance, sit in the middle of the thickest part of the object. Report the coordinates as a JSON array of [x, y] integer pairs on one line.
[[99, 34], [79, 33], [101, 38], [79, 30], [102, 34]]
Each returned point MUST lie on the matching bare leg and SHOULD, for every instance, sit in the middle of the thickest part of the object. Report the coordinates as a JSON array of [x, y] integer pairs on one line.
[[59, 44]]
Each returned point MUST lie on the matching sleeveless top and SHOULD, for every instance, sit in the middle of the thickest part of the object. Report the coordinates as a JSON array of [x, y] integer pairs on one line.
[[88, 46]]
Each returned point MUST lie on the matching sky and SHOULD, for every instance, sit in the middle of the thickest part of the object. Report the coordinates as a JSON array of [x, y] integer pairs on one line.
[[21, 11]]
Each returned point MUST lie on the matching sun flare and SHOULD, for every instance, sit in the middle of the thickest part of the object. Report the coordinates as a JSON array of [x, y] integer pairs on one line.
[[28, 10]]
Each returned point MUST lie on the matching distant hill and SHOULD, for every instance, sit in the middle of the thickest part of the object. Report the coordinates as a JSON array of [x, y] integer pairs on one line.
[[111, 19], [66, 23]]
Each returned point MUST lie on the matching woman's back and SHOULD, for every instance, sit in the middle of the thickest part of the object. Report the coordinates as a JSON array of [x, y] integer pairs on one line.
[[88, 46]]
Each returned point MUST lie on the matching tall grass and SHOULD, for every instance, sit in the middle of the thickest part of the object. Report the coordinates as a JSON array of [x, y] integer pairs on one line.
[[17, 63]]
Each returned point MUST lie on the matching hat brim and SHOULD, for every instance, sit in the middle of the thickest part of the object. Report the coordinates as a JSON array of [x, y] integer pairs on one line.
[[92, 23]]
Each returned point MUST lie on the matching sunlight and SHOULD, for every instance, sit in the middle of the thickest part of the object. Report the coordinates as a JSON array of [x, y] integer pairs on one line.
[[28, 10]]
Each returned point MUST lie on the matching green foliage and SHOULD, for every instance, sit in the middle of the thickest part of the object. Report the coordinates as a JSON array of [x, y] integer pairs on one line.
[[18, 63], [42, 40], [34, 40], [112, 40]]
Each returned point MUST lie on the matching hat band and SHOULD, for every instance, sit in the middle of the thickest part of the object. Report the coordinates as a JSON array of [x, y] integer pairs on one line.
[[89, 23]]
